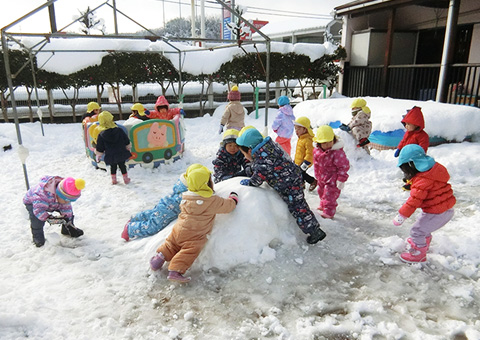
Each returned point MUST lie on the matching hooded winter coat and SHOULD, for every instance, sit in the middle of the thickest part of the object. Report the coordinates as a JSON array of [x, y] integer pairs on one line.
[[419, 136], [430, 191], [156, 114], [331, 165], [234, 116], [304, 149], [189, 234], [360, 125], [44, 199], [283, 124], [113, 142]]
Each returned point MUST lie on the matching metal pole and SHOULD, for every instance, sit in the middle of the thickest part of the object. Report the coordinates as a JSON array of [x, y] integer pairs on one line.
[[192, 20], [115, 16], [8, 73], [448, 44], [39, 111], [267, 88]]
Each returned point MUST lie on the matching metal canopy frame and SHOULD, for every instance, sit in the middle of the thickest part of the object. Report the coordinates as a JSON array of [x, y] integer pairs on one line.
[[7, 36]]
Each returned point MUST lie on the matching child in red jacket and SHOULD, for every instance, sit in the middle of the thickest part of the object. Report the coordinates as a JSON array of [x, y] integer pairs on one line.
[[431, 192], [415, 134]]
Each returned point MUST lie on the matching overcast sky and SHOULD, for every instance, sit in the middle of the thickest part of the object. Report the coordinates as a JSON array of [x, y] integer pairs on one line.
[[152, 13]]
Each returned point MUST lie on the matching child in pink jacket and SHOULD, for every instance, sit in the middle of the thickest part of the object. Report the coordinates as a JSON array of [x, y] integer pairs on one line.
[[330, 165]]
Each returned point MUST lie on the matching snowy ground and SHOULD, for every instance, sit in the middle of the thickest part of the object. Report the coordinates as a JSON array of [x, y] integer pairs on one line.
[[257, 278]]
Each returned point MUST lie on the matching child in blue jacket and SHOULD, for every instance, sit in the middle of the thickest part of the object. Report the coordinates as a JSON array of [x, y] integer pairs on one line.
[[230, 162], [271, 165], [50, 201], [150, 222], [283, 124]]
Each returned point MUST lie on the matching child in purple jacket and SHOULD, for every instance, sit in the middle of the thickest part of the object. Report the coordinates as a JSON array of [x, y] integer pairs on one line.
[[283, 124], [50, 201], [330, 165]]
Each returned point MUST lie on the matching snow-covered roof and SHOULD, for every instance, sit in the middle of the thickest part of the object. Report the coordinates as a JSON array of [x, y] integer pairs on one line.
[[197, 61]]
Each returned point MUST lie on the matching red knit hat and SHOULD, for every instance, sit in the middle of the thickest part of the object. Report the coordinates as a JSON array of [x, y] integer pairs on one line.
[[234, 94], [69, 189]]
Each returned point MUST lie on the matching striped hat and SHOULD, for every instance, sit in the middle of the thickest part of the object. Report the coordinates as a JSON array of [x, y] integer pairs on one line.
[[69, 189]]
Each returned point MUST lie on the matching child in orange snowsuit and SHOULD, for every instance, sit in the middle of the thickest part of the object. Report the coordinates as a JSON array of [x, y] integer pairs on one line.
[[197, 212]]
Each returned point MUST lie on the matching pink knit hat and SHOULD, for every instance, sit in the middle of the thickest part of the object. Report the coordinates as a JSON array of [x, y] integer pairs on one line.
[[234, 94], [69, 189]]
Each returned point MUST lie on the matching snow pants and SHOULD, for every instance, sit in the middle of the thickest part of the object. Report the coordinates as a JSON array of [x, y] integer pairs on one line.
[[428, 223], [328, 193], [285, 144], [298, 207], [36, 226], [150, 222], [180, 253]]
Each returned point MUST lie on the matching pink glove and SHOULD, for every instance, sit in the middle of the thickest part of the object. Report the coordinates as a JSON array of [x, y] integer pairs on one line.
[[399, 219]]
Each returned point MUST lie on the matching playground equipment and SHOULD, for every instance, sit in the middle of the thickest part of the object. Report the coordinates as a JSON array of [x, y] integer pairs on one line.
[[153, 141]]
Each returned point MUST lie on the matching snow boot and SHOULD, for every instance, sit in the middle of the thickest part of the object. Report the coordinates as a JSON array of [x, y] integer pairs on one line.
[[114, 179], [157, 261], [427, 239], [178, 277], [315, 236], [69, 229], [126, 180], [125, 232], [415, 254], [313, 185], [38, 242], [327, 216]]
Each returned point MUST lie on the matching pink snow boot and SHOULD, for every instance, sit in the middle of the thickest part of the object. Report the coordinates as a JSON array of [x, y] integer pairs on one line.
[[157, 261], [414, 254], [114, 179], [427, 239], [126, 180], [178, 277]]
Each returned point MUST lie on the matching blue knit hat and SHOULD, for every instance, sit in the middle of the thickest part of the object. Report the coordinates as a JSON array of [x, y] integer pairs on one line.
[[283, 100], [415, 153], [250, 138]]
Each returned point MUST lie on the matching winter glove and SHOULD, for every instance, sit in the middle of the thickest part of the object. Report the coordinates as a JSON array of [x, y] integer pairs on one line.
[[399, 219], [344, 127], [245, 182], [340, 185], [234, 196], [304, 165], [147, 113], [362, 142], [397, 152], [129, 147], [182, 113], [70, 230], [220, 131]]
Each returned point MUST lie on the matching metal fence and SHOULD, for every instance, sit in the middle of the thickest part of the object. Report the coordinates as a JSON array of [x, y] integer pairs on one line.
[[417, 82]]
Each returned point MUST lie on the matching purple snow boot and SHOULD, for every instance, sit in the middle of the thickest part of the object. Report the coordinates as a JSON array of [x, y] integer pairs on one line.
[[178, 277], [157, 261]]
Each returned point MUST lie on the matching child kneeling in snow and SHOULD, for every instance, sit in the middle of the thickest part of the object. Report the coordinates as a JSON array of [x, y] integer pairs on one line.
[[270, 164], [188, 237], [230, 162], [50, 201], [431, 192]]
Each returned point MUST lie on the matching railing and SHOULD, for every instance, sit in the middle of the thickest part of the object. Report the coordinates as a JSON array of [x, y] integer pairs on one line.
[[417, 82]]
